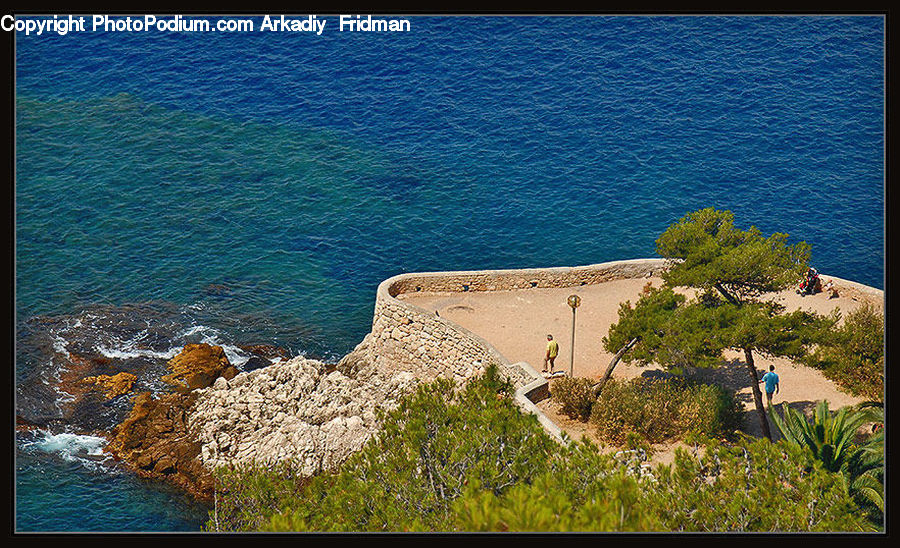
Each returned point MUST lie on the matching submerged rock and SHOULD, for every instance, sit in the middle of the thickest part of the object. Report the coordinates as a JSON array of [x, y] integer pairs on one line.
[[255, 362], [266, 351], [54, 355]]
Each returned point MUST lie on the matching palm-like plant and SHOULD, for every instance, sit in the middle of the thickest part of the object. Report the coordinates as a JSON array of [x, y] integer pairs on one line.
[[830, 437], [865, 468]]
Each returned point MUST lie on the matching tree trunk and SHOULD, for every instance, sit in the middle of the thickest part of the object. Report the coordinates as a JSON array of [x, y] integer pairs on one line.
[[757, 394], [728, 296], [612, 365]]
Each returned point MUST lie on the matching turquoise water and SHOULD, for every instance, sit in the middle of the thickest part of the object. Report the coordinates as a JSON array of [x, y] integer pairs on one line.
[[262, 185]]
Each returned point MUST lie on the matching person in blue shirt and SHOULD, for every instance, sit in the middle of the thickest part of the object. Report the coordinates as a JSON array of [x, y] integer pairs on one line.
[[771, 380]]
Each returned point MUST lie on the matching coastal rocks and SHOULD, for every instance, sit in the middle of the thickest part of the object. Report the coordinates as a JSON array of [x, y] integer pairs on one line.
[[255, 362], [54, 354], [266, 351], [155, 439], [111, 386], [357, 362], [198, 365], [297, 411]]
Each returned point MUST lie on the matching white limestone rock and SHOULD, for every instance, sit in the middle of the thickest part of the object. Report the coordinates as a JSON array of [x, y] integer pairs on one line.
[[294, 411]]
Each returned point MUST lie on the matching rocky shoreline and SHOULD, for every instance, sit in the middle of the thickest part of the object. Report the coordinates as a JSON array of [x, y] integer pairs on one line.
[[305, 411], [297, 411], [174, 410], [180, 420]]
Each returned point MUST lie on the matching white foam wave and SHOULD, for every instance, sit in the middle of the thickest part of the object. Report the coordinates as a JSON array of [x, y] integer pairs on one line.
[[60, 345], [235, 355], [131, 353], [202, 329], [87, 450]]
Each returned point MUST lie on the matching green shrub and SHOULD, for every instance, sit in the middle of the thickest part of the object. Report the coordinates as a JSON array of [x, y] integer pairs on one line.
[[754, 486], [472, 461], [831, 437], [634, 442], [247, 496], [663, 409], [574, 396], [435, 444], [853, 354]]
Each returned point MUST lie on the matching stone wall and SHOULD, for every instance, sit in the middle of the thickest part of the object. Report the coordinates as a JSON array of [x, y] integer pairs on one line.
[[856, 290], [405, 337], [495, 280]]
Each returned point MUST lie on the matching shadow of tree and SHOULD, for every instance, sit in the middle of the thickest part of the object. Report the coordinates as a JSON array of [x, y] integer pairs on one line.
[[657, 374], [730, 374], [806, 407]]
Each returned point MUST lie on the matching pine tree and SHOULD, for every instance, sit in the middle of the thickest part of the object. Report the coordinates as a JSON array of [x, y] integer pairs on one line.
[[708, 253], [731, 270]]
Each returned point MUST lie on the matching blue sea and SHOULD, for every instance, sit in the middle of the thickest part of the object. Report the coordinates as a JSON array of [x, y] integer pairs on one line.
[[254, 188]]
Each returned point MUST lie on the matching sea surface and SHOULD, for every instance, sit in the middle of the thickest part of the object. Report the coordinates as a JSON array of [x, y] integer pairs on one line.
[[254, 188]]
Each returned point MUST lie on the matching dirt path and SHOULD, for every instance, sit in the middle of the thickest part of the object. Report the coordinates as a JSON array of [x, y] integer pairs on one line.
[[517, 322]]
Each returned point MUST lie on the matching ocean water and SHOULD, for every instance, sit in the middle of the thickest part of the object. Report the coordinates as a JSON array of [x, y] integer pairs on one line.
[[255, 188]]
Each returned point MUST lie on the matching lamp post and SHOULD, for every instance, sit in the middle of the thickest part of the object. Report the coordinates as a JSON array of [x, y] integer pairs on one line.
[[574, 301]]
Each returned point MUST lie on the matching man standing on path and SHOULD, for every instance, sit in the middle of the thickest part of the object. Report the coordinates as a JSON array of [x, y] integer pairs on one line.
[[771, 380], [552, 352]]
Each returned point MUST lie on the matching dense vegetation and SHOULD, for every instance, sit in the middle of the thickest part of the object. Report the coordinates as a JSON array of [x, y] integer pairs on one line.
[[852, 355], [658, 410], [470, 460], [754, 486], [833, 438]]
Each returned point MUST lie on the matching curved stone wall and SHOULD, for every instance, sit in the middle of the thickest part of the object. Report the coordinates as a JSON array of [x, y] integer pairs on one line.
[[406, 337]]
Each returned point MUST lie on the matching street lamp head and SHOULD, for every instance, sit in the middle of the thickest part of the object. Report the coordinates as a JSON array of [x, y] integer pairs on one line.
[[574, 301]]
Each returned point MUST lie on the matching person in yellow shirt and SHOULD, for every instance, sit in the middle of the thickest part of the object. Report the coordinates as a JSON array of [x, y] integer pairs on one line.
[[552, 352]]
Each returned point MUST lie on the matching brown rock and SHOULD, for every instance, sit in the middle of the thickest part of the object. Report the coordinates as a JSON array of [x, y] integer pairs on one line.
[[24, 425], [165, 465], [88, 380], [71, 375], [198, 366], [155, 439], [110, 386]]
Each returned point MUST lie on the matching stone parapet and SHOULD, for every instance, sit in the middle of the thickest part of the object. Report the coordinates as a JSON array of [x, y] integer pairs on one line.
[[406, 337]]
